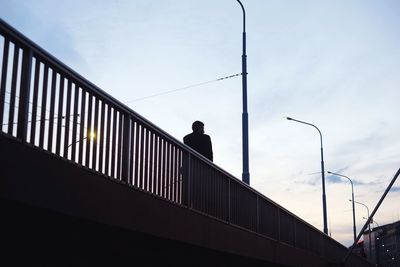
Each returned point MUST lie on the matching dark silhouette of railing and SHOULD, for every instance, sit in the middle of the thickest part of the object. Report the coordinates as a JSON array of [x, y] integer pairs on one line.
[[45, 104]]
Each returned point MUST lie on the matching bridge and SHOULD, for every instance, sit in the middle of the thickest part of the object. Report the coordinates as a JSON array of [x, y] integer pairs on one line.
[[85, 180]]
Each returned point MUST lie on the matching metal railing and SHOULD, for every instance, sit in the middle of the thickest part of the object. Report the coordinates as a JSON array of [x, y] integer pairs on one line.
[[45, 104]]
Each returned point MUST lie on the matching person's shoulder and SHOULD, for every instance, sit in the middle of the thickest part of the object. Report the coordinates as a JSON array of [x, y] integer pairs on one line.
[[188, 136], [207, 136]]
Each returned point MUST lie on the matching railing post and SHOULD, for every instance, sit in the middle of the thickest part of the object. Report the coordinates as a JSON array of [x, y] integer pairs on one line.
[[279, 224], [3, 78], [229, 201], [23, 109], [189, 182], [258, 214], [125, 150]]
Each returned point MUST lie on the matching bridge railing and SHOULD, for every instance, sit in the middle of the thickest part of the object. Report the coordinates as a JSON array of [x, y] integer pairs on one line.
[[45, 104]]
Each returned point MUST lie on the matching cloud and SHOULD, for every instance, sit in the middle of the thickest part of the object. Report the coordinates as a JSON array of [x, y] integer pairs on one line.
[[395, 189], [334, 179]]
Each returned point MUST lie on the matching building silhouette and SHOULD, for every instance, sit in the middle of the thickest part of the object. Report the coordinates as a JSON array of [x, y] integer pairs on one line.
[[385, 244]]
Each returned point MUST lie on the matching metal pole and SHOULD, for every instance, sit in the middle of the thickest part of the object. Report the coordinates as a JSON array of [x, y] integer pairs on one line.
[[322, 174], [354, 214], [245, 119], [352, 197], [369, 229]]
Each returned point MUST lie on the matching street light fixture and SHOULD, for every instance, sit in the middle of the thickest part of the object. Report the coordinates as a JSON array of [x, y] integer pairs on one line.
[[364, 206], [352, 197], [322, 173], [369, 227], [245, 119]]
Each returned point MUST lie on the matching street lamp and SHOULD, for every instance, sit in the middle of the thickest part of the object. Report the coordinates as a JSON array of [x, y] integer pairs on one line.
[[322, 173], [245, 119], [369, 227], [372, 221], [365, 207], [352, 197]]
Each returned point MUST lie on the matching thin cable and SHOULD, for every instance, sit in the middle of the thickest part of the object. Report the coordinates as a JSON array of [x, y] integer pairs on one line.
[[182, 88]]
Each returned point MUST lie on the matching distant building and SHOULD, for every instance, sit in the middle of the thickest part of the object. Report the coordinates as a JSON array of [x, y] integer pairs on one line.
[[385, 245]]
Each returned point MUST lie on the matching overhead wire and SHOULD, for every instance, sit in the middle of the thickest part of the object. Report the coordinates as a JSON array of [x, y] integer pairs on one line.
[[182, 88]]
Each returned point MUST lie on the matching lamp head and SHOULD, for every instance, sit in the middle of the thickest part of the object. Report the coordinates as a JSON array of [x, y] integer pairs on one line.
[[92, 135], [289, 119]]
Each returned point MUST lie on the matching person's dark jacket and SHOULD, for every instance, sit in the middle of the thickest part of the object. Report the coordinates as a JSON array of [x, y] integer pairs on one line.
[[201, 143]]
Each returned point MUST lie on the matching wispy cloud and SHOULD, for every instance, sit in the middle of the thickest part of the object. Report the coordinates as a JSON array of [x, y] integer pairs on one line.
[[395, 189]]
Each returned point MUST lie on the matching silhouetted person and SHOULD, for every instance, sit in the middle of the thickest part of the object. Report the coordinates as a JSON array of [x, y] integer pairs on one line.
[[199, 141]]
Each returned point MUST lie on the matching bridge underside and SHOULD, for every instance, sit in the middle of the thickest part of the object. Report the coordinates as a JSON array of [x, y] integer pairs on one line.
[[38, 237], [57, 213]]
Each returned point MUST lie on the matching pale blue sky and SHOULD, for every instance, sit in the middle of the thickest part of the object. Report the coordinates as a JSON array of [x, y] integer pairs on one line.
[[335, 64]]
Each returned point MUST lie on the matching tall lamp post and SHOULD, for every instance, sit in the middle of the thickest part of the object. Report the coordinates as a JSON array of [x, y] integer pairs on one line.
[[322, 173], [369, 229], [245, 119], [352, 197]]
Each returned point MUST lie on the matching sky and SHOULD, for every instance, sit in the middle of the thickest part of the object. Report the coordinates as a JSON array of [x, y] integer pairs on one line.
[[335, 64]]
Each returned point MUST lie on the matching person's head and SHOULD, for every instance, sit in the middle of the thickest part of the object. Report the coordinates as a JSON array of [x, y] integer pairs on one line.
[[198, 127]]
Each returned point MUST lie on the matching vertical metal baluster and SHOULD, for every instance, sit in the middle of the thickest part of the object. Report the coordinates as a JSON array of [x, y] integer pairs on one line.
[[52, 103], [125, 144], [4, 68], [176, 174], [108, 141], [159, 150], [214, 192], [196, 183], [24, 94], [169, 172], [102, 136], [141, 156], [120, 144], [114, 140], [82, 128], [146, 160], [132, 152], [75, 122], [13, 90], [162, 173], [67, 118], [35, 101], [208, 189], [89, 131], [96, 133], [173, 173], [180, 170], [165, 172], [151, 168], [137, 152], [188, 180], [43, 106], [60, 115], [229, 208]]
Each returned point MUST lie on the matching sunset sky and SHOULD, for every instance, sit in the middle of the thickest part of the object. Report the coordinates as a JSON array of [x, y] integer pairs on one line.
[[335, 64]]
